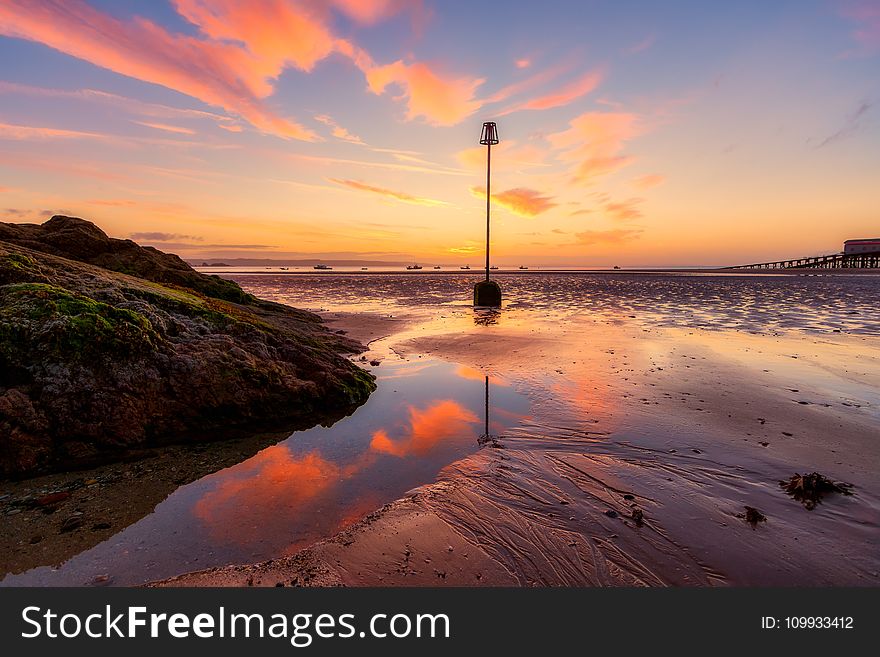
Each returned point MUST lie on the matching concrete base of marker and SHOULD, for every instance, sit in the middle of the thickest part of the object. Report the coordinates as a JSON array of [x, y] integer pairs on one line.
[[488, 294]]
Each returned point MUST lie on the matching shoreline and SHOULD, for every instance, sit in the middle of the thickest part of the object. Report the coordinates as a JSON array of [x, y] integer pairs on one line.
[[622, 502], [479, 273]]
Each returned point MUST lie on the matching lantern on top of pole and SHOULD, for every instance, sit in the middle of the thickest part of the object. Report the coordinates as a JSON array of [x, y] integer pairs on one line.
[[488, 292]]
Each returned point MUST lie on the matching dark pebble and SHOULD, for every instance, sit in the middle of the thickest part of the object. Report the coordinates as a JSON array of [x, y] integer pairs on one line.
[[611, 513]]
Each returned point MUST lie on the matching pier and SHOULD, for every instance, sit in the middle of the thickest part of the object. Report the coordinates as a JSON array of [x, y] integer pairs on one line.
[[856, 254]]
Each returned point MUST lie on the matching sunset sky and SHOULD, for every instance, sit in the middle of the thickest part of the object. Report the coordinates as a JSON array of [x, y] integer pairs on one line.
[[632, 133]]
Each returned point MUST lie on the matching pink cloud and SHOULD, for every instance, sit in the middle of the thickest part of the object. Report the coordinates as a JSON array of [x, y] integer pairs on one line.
[[649, 180], [382, 191], [218, 73], [520, 201], [241, 49], [368, 12], [166, 128], [560, 97], [642, 45], [866, 15], [593, 143], [26, 133], [522, 63], [533, 81]]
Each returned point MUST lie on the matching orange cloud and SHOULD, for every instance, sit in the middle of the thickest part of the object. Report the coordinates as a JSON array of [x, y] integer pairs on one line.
[[615, 236], [520, 200], [443, 420], [219, 73], [440, 100], [567, 94], [337, 130], [624, 210], [649, 180], [400, 196], [593, 142]]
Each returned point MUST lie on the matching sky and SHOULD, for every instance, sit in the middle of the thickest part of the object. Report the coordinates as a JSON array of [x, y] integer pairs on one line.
[[632, 133]]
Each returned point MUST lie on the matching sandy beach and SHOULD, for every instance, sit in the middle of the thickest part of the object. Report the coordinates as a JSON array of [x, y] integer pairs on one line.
[[652, 454]]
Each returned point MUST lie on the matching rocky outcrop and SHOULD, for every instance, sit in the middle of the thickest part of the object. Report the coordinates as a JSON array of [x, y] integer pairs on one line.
[[107, 346], [76, 239]]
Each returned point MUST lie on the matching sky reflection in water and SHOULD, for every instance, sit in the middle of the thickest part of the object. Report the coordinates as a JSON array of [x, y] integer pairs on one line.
[[424, 416]]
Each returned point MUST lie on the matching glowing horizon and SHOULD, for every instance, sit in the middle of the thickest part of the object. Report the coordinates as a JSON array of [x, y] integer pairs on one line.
[[690, 134]]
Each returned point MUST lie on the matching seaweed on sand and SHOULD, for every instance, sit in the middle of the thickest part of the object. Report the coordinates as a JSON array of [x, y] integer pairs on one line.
[[809, 489]]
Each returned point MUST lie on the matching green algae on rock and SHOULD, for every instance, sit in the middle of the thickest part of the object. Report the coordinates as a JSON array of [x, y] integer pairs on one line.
[[95, 361]]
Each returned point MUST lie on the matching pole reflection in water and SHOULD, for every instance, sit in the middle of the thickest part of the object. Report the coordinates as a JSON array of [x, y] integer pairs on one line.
[[487, 438], [486, 316]]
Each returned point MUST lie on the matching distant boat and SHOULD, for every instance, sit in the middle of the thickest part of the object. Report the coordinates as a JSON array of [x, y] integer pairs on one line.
[[322, 267], [413, 267], [363, 269], [465, 267], [523, 267], [437, 267], [493, 267], [616, 267], [285, 268]]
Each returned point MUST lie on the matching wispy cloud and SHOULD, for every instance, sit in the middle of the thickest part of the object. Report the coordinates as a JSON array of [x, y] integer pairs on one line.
[[648, 181], [390, 193], [214, 70], [520, 201], [164, 237], [614, 236], [508, 155], [627, 210], [166, 128], [130, 105], [27, 133], [641, 46], [559, 97], [337, 130], [851, 125]]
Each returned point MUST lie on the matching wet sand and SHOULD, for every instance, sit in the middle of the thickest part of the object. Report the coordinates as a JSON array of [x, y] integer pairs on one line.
[[645, 446]]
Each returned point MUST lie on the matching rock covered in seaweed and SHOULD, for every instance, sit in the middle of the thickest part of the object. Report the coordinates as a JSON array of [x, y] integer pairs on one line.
[[93, 361]]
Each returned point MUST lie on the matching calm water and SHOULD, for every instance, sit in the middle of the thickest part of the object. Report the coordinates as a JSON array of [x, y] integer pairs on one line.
[[427, 414]]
